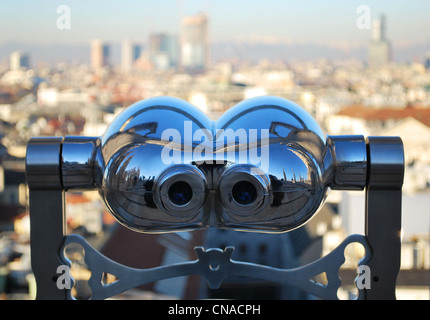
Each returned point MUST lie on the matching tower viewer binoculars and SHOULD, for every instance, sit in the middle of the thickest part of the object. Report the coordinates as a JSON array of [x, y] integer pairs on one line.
[[162, 165]]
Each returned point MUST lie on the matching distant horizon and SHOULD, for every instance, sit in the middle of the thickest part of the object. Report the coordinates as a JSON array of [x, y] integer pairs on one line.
[[220, 51], [332, 28]]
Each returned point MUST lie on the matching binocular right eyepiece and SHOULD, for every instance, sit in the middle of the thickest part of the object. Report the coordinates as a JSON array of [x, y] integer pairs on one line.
[[163, 165], [244, 191]]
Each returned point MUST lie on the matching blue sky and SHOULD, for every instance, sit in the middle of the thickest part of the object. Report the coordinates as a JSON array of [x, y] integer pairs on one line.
[[334, 22]]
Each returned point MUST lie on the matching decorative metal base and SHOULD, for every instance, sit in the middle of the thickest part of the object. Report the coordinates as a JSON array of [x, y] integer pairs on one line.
[[215, 265]]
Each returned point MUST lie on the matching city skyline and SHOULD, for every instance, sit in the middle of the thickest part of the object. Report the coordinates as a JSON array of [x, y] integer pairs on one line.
[[331, 23]]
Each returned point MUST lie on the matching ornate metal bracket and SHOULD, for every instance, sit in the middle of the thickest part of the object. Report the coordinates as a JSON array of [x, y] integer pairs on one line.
[[215, 265]]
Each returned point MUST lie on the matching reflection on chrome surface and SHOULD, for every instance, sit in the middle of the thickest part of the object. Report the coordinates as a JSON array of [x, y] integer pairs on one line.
[[265, 165]]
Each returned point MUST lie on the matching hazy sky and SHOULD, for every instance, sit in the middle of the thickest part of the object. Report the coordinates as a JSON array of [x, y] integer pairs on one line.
[[315, 21]]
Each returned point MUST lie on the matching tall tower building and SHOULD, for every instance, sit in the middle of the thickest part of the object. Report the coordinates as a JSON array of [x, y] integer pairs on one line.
[[379, 47], [130, 52], [163, 50], [194, 43], [427, 61], [19, 60], [99, 54]]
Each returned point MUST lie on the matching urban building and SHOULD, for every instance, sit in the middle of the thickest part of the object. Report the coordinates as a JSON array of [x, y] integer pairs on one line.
[[194, 43], [99, 54], [427, 61], [379, 47], [164, 51], [19, 60], [130, 52]]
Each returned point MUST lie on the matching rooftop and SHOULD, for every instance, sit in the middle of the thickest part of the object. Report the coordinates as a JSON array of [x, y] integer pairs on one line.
[[387, 113]]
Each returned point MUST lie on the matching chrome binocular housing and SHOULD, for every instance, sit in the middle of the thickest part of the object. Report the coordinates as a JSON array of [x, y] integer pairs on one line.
[[162, 165]]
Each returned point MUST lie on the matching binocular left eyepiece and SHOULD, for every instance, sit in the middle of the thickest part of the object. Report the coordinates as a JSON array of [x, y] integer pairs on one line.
[[180, 191]]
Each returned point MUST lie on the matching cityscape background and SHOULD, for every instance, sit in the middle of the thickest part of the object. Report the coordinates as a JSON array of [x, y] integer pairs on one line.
[[69, 67]]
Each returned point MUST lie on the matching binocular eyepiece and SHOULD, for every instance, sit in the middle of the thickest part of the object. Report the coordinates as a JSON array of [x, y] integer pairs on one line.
[[183, 186], [244, 190], [180, 191]]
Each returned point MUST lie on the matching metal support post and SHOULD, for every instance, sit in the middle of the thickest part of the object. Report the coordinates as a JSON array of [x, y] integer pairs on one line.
[[47, 223], [383, 214]]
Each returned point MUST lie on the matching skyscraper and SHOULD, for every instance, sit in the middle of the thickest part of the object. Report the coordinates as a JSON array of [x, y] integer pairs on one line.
[[194, 43], [379, 47], [427, 61], [99, 54], [163, 50], [130, 52], [19, 60]]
